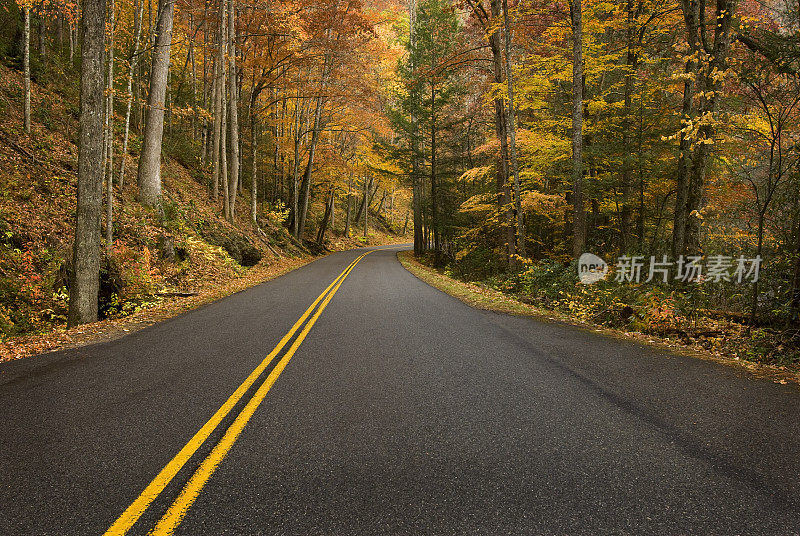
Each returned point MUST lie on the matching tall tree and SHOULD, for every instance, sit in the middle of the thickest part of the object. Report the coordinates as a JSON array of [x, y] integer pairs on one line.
[[26, 64], [705, 68], [233, 107], [519, 227], [85, 280], [489, 21], [149, 175], [133, 61], [109, 135], [579, 222]]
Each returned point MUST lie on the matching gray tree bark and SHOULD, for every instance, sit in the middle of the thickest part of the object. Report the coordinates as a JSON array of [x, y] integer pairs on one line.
[[85, 279], [349, 203], [149, 176], [366, 205], [233, 110], [109, 138]]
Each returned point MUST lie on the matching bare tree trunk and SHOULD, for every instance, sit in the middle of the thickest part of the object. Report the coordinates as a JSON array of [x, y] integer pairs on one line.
[[305, 185], [223, 148], [579, 224], [149, 176], [85, 281], [759, 250], [296, 172], [315, 129], [134, 59], [216, 156], [325, 219], [234, 111], [71, 44], [254, 177], [366, 205], [383, 200], [349, 203], [26, 67]]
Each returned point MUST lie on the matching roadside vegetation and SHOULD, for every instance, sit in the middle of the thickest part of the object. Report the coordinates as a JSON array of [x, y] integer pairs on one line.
[[261, 162], [644, 132], [723, 341]]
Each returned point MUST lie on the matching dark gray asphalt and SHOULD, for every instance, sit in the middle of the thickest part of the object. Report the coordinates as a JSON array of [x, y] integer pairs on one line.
[[403, 412]]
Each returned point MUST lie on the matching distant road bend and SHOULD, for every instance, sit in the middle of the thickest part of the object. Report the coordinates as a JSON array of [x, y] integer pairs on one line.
[[350, 398]]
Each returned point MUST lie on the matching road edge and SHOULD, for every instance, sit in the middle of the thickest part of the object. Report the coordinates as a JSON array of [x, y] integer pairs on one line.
[[493, 300], [28, 346]]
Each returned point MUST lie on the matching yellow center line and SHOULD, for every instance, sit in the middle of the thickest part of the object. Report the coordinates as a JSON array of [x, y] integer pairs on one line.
[[165, 476], [190, 492]]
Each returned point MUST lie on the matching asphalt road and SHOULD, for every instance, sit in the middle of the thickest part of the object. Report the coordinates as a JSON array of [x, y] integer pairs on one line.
[[402, 412]]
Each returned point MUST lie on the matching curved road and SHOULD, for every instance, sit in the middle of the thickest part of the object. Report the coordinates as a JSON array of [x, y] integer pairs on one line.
[[402, 411]]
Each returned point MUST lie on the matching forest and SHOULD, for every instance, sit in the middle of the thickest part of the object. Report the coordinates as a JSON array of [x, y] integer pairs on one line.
[[509, 138]]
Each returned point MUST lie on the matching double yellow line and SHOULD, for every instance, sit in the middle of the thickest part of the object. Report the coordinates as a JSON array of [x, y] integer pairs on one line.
[[167, 524]]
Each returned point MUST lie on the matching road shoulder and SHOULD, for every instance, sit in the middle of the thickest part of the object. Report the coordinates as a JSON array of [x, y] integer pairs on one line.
[[488, 299], [168, 307]]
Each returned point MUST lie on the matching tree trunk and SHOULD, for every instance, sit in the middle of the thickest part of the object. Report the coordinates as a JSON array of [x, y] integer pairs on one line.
[[71, 44], [26, 67], [437, 245], [296, 170], [134, 59], [796, 276], [216, 135], [416, 187], [349, 203], [85, 280], [234, 111], [364, 202], [325, 219], [223, 150], [710, 85], [109, 143], [627, 181], [579, 226], [759, 250], [366, 205], [502, 186], [512, 137], [383, 200], [254, 149], [149, 176], [306, 184]]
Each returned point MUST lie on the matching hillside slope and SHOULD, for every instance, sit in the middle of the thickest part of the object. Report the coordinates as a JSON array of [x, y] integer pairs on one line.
[[152, 263]]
